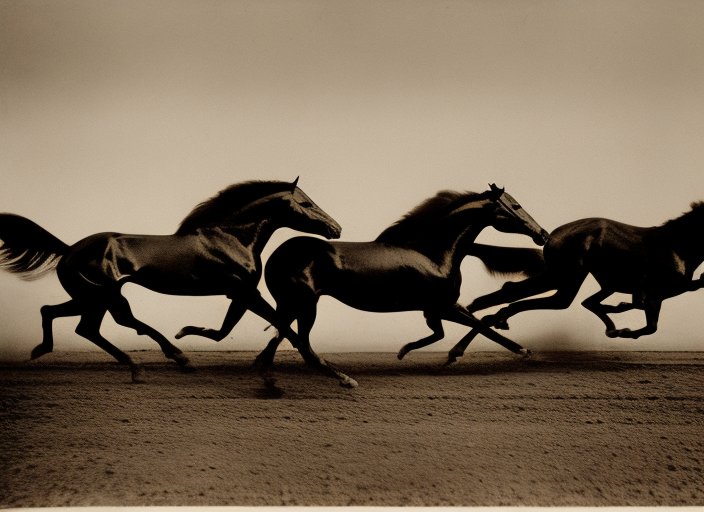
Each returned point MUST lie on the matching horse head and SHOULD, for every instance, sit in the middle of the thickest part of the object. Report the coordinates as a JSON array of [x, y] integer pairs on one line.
[[512, 218], [308, 216]]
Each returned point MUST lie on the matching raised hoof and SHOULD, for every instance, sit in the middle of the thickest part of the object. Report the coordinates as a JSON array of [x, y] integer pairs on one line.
[[38, 352], [613, 333], [349, 383], [402, 353], [138, 375], [186, 331]]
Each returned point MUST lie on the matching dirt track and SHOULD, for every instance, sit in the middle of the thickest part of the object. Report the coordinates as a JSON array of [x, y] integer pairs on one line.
[[559, 429]]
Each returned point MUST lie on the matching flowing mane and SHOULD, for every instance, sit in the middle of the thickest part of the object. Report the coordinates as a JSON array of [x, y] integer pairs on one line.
[[428, 211], [695, 214], [233, 198]]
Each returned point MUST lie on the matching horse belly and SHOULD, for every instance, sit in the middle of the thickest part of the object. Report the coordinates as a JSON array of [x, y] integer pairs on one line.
[[383, 294], [170, 268]]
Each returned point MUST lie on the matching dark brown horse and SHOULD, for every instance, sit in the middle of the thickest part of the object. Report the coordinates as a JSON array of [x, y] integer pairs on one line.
[[651, 264], [215, 251], [414, 265]]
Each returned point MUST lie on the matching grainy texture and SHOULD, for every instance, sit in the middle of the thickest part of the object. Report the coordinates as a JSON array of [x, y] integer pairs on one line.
[[558, 429]]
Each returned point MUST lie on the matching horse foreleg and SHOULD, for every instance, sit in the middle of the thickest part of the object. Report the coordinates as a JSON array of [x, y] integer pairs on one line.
[[89, 328], [122, 314], [593, 304], [460, 315], [265, 359], [652, 314], [262, 308], [49, 313], [435, 325], [458, 350], [234, 314]]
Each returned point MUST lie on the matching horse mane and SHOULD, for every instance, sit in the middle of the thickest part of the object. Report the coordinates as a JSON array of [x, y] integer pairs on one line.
[[696, 213], [428, 211], [235, 197]]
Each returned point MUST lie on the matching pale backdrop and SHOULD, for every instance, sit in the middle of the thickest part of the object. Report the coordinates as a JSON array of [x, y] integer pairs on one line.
[[121, 116]]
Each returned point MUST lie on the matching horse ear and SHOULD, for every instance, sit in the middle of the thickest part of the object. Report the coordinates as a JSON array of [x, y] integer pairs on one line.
[[496, 190], [294, 184]]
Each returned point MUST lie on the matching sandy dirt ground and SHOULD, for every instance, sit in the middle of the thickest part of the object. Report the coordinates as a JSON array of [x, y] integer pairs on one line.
[[571, 429]]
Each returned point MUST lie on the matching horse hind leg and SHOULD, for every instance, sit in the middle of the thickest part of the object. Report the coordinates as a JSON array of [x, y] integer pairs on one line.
[[593, 304], [49, 313], [89, 328], [122, 314], [435, 324]]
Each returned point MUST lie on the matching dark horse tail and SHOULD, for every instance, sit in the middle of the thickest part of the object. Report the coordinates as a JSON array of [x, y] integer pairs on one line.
[[28, 249], [509, 260]]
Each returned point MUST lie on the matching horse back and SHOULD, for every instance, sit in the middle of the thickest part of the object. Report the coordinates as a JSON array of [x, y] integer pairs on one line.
[[612, 251], [370, 276], [162, 263]]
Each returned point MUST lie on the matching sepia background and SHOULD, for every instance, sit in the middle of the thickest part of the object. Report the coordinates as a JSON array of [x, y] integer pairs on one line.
[[122, 116]]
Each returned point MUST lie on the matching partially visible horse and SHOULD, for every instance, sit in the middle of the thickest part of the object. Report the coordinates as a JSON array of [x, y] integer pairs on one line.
[[215, 251], [651, 264], [414, 265]]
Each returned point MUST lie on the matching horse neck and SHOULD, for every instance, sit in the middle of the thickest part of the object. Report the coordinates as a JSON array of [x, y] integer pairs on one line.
[[253, 235], [253, 226]]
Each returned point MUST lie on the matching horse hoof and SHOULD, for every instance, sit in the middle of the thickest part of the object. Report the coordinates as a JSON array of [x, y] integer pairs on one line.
[[38, 352], [349, 383], [449, 361], [401, 353], [525, 353], [183, 332], [612, 333], [183, 362]]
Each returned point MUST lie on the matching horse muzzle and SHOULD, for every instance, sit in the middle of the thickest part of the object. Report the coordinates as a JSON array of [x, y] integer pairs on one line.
[[542, 238], [333, 231]]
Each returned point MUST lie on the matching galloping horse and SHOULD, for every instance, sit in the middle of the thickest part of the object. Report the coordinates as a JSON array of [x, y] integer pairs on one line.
[[651, 264], [414, 265], [215, 251]]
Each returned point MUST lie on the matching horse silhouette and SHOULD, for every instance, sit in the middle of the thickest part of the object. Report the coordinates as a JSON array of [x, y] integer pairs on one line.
[[651, 264], [414, 265], [215, 251]]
